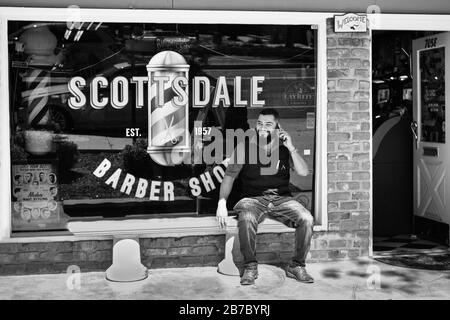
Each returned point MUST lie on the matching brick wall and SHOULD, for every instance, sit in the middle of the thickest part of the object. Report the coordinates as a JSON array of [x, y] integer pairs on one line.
[[348, 158], [96, 255], [189, 251], [54, 257]]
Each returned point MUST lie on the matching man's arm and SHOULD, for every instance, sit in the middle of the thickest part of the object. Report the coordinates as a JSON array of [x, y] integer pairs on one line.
[[222, 211], [300, 166], [225, 189]]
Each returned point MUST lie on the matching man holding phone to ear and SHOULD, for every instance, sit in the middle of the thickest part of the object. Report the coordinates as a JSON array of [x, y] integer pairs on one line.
[[268, 195]]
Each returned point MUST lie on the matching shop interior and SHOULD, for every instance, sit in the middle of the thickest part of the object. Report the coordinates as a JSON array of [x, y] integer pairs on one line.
[[395, 227]]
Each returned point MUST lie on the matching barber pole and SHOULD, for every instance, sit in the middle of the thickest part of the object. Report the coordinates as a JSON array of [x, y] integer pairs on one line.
[[37, 82], [168, 136]]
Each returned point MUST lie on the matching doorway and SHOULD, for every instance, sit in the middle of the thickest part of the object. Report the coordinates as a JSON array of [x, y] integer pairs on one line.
[[409, 179]]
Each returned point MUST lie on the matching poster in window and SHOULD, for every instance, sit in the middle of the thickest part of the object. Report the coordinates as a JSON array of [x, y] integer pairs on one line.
[[35, 198], [383, 96]]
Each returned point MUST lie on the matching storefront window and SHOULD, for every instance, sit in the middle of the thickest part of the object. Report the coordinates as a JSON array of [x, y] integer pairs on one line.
[[81, 143]]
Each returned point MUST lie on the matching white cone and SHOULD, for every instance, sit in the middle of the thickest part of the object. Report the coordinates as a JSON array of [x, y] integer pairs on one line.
[[127, 264], [227, 265]]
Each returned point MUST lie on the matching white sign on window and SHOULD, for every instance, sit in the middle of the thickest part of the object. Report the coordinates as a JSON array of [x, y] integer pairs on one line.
[[350, 22]]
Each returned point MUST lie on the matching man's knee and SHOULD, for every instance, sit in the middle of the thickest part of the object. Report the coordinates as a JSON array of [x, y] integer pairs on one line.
[[303, 215], [245, 205], [306, 218], [246, 210], [247, 217]]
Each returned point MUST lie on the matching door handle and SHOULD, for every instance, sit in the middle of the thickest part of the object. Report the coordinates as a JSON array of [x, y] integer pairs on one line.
[[414, 128]]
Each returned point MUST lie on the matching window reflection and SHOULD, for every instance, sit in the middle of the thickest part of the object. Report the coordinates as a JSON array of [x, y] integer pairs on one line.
[[432, 81], [45, 56]]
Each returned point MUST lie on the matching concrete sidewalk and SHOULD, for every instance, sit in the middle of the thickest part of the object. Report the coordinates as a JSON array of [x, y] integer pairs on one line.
[[333, 280]]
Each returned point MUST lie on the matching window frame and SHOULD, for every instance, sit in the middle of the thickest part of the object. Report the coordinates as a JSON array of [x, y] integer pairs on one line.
[[177, 225]]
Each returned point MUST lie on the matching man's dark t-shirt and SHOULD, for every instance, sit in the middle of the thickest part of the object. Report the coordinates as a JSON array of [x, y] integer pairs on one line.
[[256, 184]]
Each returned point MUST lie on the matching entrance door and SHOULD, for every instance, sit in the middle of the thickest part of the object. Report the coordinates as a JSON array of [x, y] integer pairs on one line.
[[431, 87]]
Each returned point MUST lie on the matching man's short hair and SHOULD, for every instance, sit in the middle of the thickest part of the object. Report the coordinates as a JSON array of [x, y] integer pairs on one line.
[[270, 111]]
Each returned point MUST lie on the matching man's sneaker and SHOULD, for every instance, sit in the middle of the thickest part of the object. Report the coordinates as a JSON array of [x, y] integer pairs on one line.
[[249, 275], [299, 273]]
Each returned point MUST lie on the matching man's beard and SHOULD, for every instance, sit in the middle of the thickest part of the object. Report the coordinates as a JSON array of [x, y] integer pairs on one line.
[[267, 142], [264, 140]]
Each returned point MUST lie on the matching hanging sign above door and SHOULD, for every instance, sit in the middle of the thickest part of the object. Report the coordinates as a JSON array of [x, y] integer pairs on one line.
[[350, 22]]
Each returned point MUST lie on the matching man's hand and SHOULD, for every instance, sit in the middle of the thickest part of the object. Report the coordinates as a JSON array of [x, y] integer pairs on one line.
[[285, 138], [300, 166], [222, 213]]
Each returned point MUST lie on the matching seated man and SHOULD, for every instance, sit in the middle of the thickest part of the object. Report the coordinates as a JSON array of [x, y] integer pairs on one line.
[[268, 194]]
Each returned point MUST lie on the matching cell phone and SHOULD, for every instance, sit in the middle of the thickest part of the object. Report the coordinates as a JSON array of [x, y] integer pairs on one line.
[[278, 127]]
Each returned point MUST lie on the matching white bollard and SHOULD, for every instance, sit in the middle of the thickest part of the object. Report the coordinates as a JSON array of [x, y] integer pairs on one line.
[[227, 266], [126, 266]]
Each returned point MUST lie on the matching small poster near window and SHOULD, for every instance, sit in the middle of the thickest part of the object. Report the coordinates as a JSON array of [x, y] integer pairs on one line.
[[35, 199], [383, 96]]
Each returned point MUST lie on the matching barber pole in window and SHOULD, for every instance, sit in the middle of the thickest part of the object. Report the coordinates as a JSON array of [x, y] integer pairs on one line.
[[168, 133], [37, 83]]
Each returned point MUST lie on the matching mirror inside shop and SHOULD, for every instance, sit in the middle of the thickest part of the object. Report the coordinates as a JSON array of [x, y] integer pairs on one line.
[[96, 107]]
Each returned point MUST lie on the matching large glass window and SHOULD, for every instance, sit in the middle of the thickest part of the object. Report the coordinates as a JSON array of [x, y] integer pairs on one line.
[[80, 112]]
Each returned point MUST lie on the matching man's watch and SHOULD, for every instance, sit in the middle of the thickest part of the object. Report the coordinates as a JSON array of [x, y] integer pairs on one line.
[[293, 150]]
